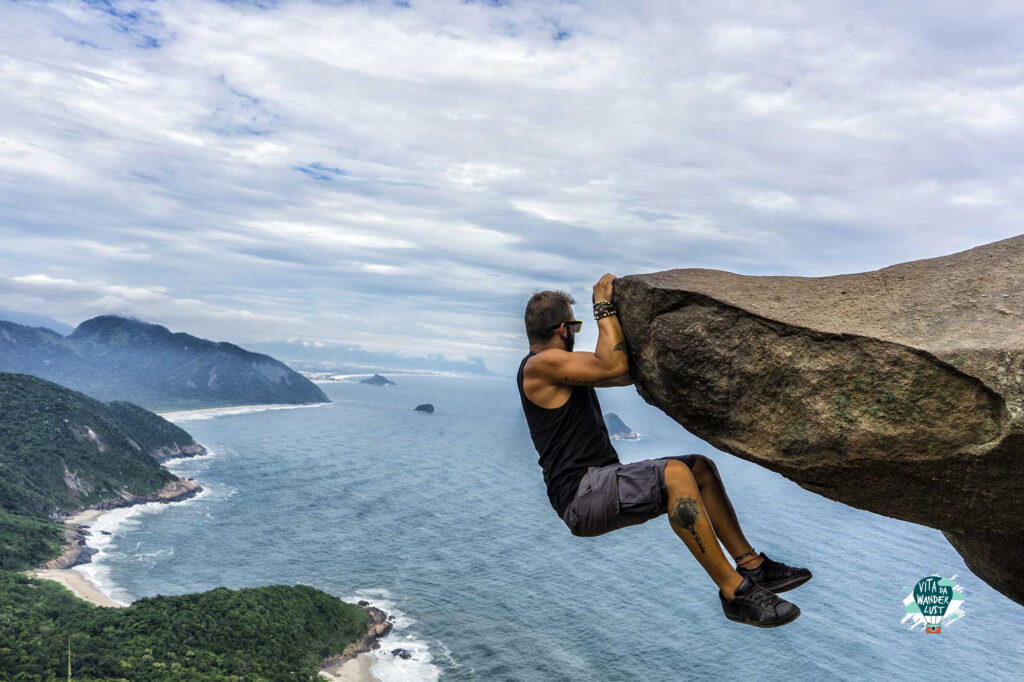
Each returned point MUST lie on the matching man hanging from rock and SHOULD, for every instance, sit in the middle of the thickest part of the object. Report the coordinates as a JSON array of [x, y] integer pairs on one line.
[[594, 493]]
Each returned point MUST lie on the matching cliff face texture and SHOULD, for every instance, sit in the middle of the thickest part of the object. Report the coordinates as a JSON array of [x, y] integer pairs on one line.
[[898, 391]]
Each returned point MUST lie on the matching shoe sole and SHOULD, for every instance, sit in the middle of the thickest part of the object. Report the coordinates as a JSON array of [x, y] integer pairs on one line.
[[786, 585], [764, 625]]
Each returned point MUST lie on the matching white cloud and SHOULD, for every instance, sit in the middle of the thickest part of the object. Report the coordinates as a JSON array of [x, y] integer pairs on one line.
[[744, 37], [770, 201], [317, 169], [77, 300]]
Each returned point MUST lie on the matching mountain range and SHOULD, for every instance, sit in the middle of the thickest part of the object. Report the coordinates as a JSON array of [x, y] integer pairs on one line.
[[117, 358]]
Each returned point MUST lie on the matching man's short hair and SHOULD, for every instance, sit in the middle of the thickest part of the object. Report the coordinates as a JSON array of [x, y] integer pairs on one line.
[[544, 312]]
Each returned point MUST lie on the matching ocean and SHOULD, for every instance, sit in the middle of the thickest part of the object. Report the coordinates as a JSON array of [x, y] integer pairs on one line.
[[443, 521]]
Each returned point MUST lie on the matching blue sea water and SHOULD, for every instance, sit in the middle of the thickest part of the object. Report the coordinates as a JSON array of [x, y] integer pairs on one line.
[[444, 521]]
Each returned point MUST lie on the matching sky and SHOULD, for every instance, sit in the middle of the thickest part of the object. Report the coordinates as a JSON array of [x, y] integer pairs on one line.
[[404, 175]]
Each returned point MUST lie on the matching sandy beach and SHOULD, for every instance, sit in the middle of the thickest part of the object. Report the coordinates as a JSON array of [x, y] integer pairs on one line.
[[354, 670], [77, 583], [425, 373], [183, 415]]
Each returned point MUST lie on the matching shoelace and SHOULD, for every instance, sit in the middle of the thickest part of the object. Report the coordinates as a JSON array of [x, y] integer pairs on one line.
[[762, 597]]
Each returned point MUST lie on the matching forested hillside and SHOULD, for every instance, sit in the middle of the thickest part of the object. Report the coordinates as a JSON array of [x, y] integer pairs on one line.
[[61, 450]]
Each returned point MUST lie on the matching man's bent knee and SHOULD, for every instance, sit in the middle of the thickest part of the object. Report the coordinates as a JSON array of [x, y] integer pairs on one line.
[[674, 465], [678, 475]]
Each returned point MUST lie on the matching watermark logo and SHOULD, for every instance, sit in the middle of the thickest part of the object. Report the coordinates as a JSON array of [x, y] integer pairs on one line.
[[933, 602]]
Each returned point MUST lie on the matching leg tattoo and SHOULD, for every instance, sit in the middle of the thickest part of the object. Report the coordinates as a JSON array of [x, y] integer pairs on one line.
[[685, 515]]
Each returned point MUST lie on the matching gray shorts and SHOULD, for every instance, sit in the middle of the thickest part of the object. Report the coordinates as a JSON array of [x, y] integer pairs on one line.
[[620, 495]]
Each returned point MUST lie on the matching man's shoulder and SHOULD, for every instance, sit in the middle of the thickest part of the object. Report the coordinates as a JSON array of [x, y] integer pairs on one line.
[[542, 362], [547, 356]]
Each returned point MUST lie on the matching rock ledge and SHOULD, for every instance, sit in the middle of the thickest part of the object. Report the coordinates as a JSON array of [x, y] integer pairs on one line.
[[899, 391]]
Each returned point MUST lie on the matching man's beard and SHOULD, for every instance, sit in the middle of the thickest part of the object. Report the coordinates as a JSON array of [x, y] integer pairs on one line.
[[570, 341]]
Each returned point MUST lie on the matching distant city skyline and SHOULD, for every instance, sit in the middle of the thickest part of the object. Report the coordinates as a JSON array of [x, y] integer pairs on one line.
[[401, 176]]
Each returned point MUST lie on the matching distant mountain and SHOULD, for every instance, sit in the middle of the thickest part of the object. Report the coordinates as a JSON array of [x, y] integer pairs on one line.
[[34, 320], [115, 358], [347, 359]]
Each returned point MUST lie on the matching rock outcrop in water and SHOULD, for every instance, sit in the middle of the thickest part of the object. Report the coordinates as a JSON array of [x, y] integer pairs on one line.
[[377, 380], [617, 429], [898, 391]]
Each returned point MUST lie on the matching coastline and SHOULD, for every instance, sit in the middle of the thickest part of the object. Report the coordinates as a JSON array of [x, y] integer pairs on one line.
[[76, 526], [77, 584], [346, 377], [354, 670], [77, 550], [352, 665], [74, 581], [209, 412]]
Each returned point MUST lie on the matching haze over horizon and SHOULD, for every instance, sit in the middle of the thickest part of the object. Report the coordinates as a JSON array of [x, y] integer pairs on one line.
[[403, 175]]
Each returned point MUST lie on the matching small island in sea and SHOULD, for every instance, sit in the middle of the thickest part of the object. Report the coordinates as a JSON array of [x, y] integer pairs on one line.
[[425, 407], [617, 429], [377, 380]]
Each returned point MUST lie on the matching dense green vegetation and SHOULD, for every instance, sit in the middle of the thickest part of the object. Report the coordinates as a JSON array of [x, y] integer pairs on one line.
[[61, 450], [26, 542], [113, 358], [276, 632], [150, 431]]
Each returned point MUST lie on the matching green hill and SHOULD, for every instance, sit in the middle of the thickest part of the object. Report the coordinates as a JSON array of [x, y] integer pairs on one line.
[[114, 358], [61, 450], [275, 632]]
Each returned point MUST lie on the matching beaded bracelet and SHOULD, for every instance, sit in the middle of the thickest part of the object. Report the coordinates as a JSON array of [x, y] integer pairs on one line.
[[605, 312]]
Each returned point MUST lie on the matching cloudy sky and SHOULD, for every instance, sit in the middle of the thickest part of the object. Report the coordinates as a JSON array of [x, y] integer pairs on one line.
[[403, 175]]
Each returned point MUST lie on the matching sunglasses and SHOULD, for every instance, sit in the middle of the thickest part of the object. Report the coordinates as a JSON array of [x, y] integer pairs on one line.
[[574, 325]]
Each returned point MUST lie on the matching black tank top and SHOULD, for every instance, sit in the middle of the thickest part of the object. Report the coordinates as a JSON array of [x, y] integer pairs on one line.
[[568, 439]]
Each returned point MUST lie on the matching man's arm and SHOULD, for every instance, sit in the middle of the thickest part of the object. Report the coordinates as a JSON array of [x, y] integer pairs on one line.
[[580, 368], [624, 380], [607, 362]]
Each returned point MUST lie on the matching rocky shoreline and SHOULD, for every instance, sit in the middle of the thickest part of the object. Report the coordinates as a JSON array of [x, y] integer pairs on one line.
[[173, 452], [379, 627], [75, 533]]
